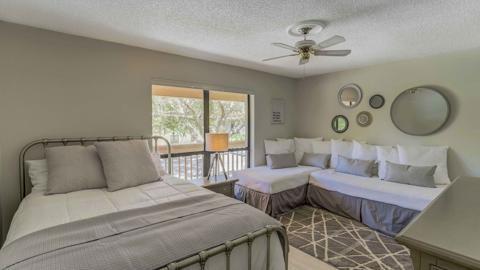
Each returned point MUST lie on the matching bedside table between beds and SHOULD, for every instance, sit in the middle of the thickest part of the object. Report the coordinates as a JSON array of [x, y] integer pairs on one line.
[[221, 185]]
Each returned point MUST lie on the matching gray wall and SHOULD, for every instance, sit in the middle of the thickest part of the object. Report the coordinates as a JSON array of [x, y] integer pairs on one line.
[[457, 75], [56, 85]]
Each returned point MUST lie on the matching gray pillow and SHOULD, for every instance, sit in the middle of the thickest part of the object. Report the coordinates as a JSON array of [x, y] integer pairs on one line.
[[315, 160], [73, 168], [410, 175], [279, 161], [358, 167], [127, 163]]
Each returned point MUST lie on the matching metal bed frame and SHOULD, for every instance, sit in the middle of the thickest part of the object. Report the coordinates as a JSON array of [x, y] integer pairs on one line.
[[198, 258]]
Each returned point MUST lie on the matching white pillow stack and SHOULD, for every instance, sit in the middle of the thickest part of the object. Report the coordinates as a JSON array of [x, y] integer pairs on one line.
[[364, 151], [304, 145], [281, 146], [384, 154], [342, 148], [322, 147], [427, 156]]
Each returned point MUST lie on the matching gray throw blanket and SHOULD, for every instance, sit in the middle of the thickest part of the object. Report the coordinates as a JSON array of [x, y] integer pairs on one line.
[[144, 238]]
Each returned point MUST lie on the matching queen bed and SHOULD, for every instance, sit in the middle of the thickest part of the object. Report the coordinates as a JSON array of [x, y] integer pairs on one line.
[[166, 224]]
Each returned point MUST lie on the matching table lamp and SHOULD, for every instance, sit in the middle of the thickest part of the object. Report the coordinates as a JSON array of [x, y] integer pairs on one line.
[[216, 143]]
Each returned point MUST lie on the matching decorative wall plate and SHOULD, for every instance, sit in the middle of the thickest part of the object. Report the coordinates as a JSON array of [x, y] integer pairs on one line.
[[364, 119], [376, 101]]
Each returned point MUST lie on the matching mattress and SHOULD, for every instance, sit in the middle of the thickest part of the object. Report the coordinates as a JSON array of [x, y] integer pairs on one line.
[[38, 211], [272, 181], [372, 188]]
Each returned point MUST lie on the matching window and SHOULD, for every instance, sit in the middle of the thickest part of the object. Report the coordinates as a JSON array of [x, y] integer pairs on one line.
[[184, 115]]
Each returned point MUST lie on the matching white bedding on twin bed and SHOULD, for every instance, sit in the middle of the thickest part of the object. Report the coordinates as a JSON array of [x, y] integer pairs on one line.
[[38, 211], [272, 181], [372, 188]]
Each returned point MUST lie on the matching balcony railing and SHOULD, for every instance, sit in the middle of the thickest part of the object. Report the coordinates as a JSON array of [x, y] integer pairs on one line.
[[190, 165]]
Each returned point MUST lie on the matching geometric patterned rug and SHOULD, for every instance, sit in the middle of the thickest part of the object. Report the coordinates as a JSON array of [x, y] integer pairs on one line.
[[342, 242]]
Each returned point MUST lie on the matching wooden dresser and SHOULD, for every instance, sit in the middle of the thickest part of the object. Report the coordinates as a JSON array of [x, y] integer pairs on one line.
[[446, 235]]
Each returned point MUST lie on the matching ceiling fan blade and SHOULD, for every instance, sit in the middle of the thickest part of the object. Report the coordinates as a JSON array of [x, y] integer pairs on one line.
[[303, 61], [329, 42], [332, 52], [285, 46], [278, 57]]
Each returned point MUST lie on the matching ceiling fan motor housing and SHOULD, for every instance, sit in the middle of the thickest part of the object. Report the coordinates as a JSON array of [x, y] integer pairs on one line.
[[304, 44]]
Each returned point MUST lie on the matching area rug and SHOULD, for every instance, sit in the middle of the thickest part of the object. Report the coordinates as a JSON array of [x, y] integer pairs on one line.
[[342, 242]]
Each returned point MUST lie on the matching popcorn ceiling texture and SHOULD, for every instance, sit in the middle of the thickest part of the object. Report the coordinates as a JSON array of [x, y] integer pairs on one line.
[[239, 32]]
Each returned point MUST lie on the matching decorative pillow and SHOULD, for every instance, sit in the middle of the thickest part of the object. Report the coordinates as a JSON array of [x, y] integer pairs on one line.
[[427, 156], [73, 168], [410, 175], [386, 153], [38, 174], [340, 148], [355, 166], [304, 145], [279, 161], [315, 160], [279, 147], [322, 147], [127, 163], [364, 151]]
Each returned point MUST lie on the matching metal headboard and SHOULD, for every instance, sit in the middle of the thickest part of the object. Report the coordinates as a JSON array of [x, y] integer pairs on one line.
[[83, 141]]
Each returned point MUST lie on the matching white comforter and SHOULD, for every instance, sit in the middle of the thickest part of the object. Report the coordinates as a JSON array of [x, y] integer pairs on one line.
[[38, 211]]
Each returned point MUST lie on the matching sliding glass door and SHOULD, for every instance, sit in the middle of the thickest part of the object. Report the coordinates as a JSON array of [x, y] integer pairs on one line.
[[184, 115]]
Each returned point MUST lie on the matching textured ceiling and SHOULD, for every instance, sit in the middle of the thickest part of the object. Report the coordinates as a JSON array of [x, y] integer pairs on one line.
[[239, 32]]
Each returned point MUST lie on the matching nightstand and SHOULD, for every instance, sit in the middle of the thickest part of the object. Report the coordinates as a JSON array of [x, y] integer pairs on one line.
[[222, 186]]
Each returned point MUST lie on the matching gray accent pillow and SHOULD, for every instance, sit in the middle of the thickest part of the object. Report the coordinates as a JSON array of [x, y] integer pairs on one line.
[[358, 167], [421, 176], [127, 163], [315, 160], [73, 168], [279, 161]]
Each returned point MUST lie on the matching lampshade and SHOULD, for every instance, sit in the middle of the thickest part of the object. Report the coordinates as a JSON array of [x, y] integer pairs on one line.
[[216, 142]]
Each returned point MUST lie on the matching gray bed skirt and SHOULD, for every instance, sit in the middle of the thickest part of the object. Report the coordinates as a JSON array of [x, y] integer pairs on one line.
[[272, 204], [386, 218]]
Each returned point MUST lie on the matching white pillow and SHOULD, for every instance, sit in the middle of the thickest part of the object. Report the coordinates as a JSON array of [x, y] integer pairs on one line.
[[38, 174], [322, 147], [292, 144], [304, 145], [340, 148], [384, 154], [364, 151], [427, 156], [278, 147]]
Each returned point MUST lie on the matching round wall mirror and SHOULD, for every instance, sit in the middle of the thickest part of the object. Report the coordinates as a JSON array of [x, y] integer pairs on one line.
[[364, 119], [420, 111], [376, 101], [350, 95], [340, 123]]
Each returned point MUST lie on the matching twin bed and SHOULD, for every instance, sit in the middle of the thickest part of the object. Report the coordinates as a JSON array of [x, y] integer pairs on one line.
[[385, 206], [167, 224]]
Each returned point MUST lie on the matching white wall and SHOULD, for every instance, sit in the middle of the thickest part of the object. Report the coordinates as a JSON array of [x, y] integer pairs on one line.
[[457, 75], [58, 85]]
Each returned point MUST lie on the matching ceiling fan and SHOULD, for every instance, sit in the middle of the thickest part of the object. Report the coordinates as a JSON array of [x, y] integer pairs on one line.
[[306, 47]]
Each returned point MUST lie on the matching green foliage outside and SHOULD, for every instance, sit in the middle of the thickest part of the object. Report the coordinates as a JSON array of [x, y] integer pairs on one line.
[[181, 119]]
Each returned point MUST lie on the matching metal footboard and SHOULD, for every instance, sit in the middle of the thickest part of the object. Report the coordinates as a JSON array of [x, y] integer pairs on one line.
[[201, 257]]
